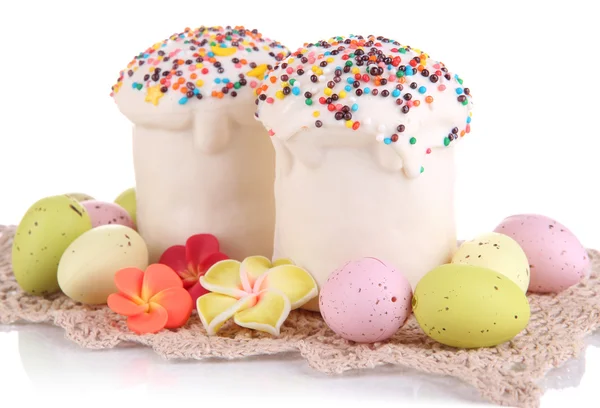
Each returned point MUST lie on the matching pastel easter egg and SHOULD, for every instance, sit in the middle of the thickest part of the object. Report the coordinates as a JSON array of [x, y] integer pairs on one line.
[[46, 230], [80, 196], [498, 252], [103, 213], [365, 300], [87, 268], [127, 200], [557, 259], [468, 306]]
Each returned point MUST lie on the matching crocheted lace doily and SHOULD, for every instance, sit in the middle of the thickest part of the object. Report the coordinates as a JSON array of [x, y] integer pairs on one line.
[[507, 374]]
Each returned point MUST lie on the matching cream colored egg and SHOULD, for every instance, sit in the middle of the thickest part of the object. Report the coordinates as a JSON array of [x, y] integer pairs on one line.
[[87, 268], [497, 252]]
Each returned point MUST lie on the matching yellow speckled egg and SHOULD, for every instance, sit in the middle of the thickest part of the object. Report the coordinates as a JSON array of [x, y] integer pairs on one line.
[[87, 268], [498, 252], [469, 306]]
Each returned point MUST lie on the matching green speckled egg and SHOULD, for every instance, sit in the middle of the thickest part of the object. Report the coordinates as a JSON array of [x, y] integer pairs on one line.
[[127, 200], [468, 306], [46, 230], [80, 196]]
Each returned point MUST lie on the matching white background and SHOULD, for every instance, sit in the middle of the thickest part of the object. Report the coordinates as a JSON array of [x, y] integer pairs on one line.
[[532, 68]]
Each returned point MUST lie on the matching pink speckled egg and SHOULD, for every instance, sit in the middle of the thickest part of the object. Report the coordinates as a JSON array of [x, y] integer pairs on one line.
[[557, 259], [366, 301], [103, 213]]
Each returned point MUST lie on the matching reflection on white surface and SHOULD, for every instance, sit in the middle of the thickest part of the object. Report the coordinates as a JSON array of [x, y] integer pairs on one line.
[[47, 363]]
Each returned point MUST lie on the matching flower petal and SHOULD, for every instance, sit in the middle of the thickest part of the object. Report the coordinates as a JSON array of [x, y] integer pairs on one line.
[[253, 268], [129, 282], [198, 246], [283, 261], [196, 291], [175, 258], [215, 309], [178, 304], [150, 322], [124, 306], [269, 313], [224, 277], [294, 282], [209, 260], [158, 278]]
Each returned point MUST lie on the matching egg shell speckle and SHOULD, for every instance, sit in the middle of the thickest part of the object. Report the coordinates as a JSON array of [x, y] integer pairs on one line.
[[366, 301], [86, 270], [498, 252], [104, 213], [557, 259]]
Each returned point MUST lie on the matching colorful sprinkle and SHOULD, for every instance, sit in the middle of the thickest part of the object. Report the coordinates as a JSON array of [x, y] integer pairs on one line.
[[337, 74], [175, 63]]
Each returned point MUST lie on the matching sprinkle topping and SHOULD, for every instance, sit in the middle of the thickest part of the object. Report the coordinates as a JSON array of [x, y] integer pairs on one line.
[[212, 62], [348, 82]]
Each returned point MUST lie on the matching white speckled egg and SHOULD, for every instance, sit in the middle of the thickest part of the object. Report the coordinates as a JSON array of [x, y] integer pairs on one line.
[[366, 300], [87, 268], [557, 259], [497, 252], [103, 213]]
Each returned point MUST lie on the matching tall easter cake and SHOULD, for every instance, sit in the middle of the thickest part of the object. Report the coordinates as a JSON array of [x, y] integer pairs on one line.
[[363, 129], [202, 163]]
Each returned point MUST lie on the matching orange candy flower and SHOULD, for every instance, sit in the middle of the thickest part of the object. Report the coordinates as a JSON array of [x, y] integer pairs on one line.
[[151, 300]]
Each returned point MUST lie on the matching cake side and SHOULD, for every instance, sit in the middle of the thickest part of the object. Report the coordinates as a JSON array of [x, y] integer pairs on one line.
[[202, 164]]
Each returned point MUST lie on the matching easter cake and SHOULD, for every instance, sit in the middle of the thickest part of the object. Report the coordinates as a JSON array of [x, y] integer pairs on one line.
[[202, 164], [363, 130]]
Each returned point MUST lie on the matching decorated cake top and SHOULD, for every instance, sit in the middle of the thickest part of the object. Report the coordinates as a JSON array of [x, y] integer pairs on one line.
[[367, 84], [206, 62]]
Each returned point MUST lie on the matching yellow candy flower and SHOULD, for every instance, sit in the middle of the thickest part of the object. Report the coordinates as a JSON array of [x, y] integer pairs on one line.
[[258, 294]]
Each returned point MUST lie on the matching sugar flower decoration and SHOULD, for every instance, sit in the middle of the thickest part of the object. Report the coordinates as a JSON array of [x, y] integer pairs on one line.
[[193, 260], [152, 300], [258, 294]]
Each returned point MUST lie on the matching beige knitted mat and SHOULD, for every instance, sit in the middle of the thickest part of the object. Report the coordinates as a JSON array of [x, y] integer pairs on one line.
[[506, 375]]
